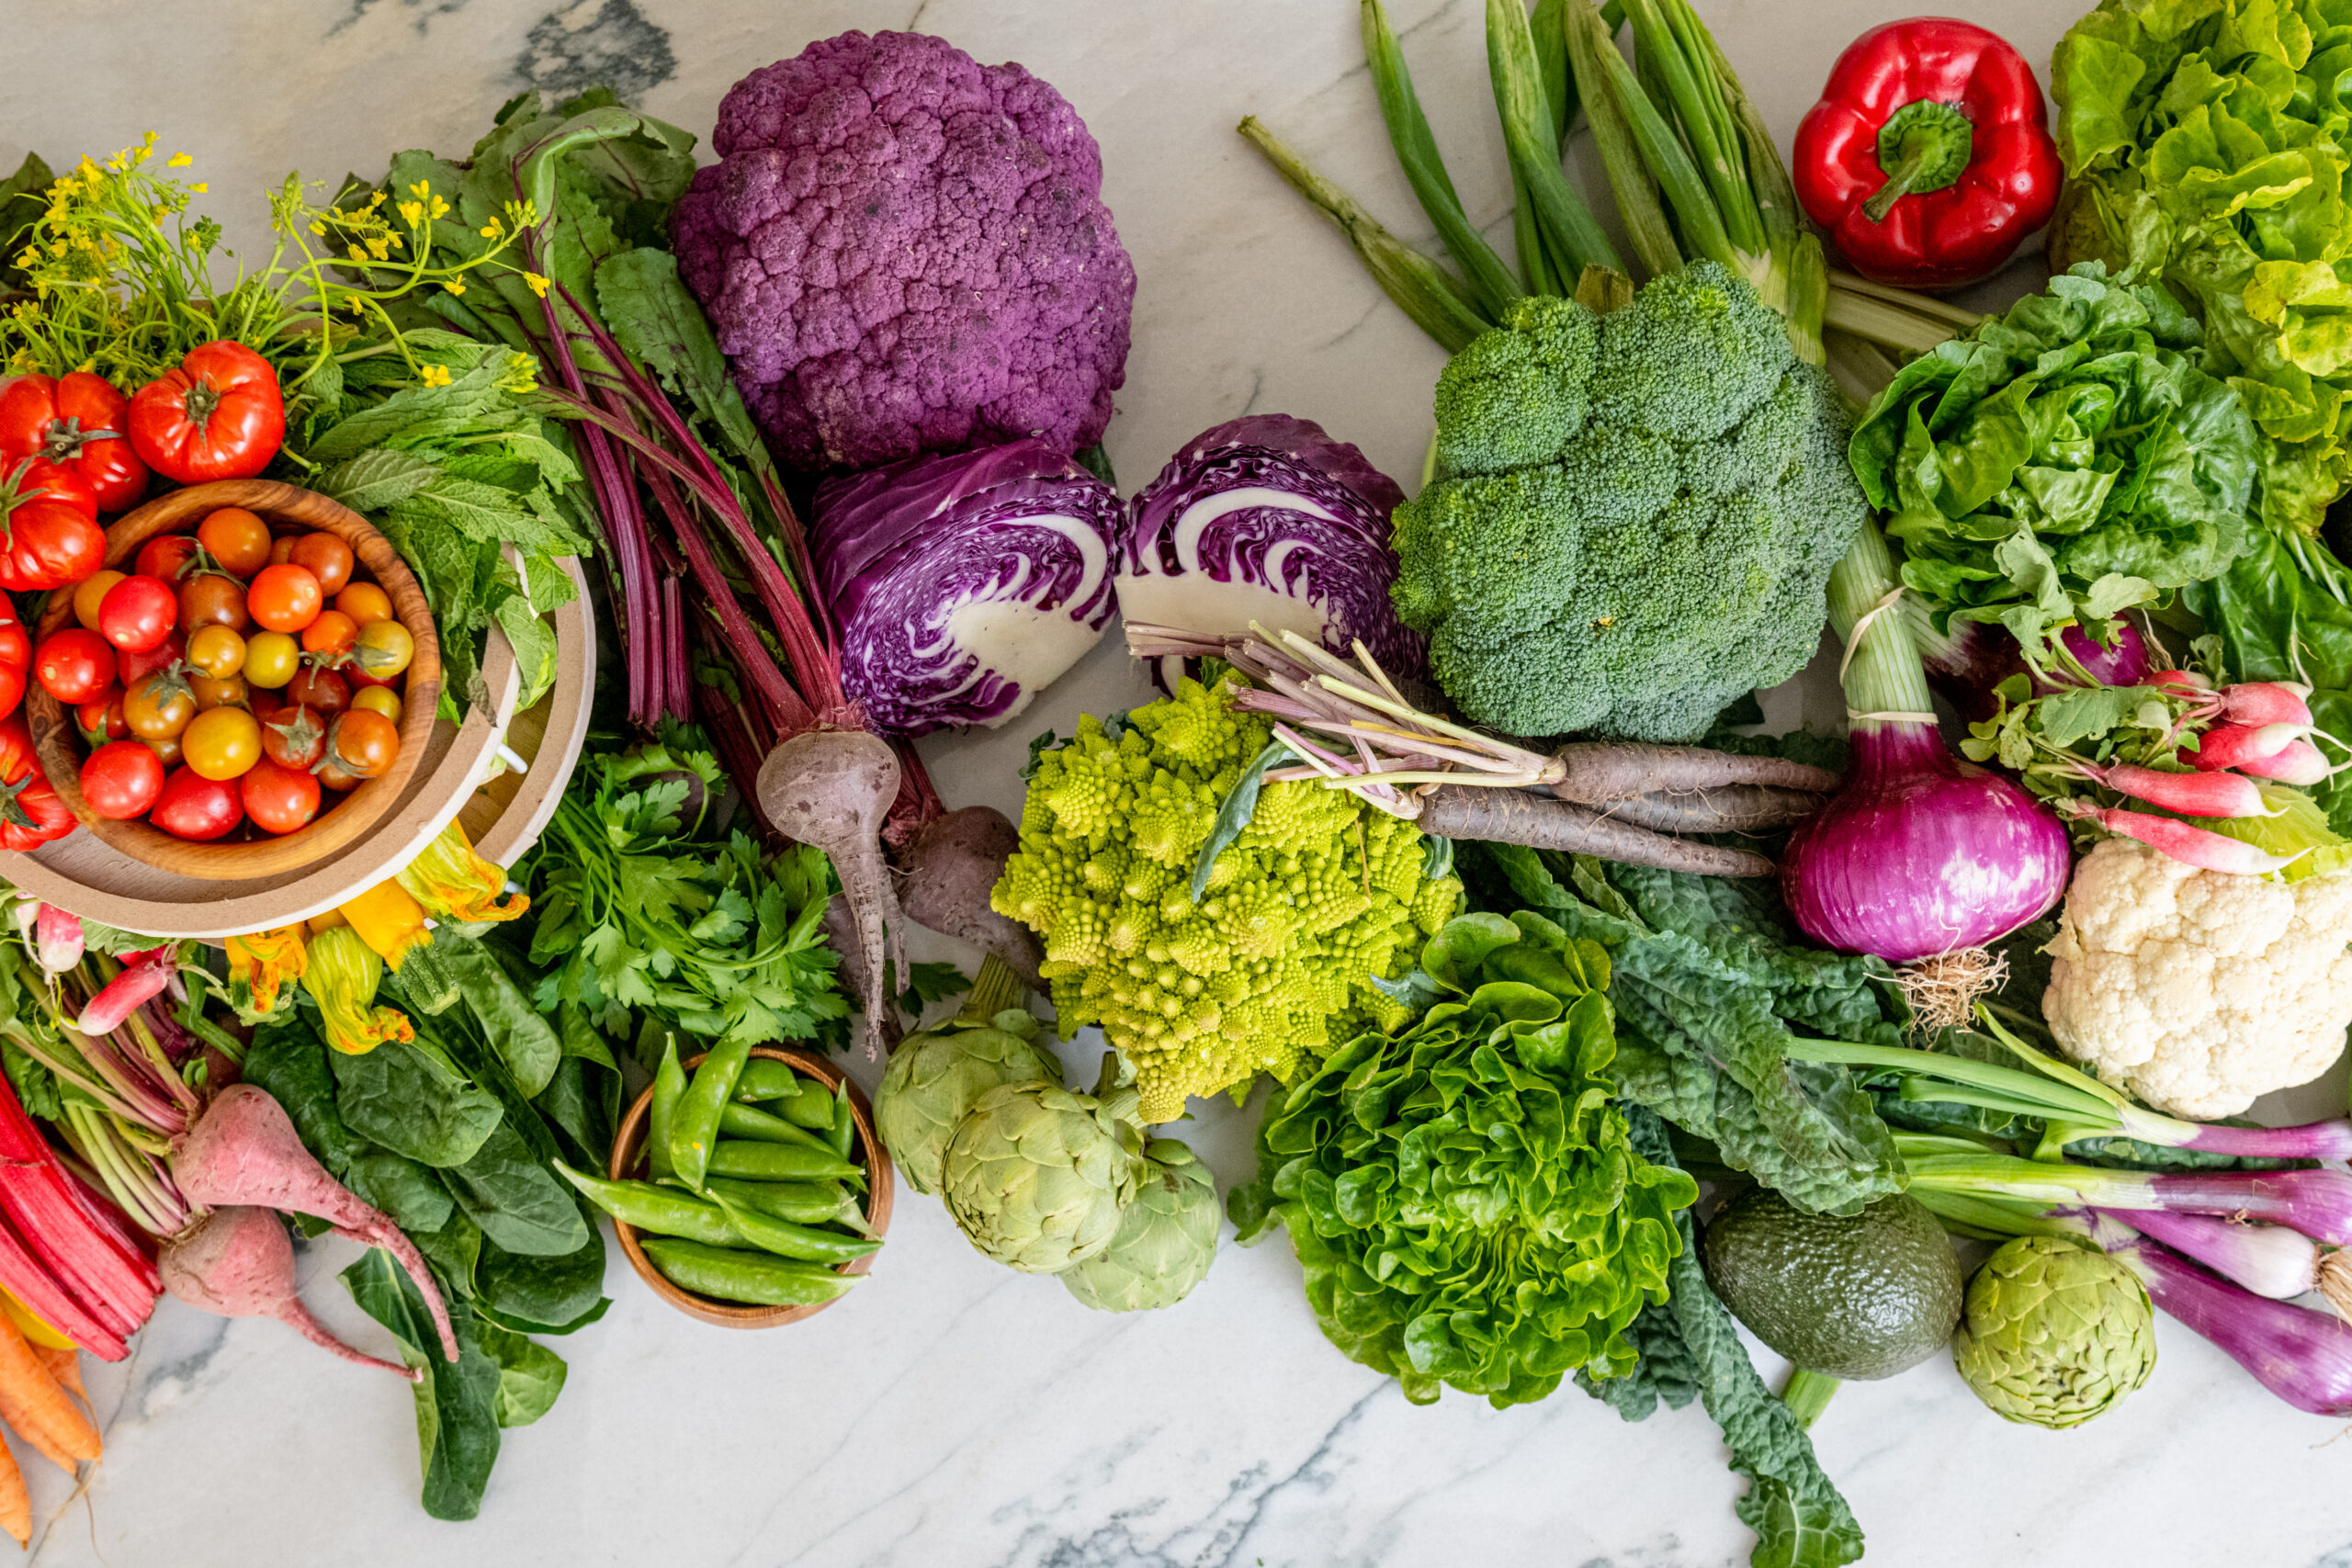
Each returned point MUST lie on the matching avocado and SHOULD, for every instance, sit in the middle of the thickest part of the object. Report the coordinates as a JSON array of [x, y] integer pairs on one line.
[[1862, 1296]]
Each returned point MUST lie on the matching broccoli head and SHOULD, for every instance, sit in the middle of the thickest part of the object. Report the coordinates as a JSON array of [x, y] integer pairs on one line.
[[904, 251], [1634, 516], [1272, 966]]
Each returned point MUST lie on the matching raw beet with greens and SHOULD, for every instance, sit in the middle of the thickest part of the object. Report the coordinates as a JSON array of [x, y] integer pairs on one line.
[[963, 584], [1269, 519]]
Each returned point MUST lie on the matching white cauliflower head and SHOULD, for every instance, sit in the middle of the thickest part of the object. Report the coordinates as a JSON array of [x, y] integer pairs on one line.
[[2197, 991]]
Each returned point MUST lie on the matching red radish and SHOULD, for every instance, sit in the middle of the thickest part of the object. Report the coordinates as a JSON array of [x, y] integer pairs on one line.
[[2186, 684], [2191, 794], [2266, 702], [2297, 763], [237, 1262], [2235, 744], [2192, 846], [245, 1151], [141, 980]]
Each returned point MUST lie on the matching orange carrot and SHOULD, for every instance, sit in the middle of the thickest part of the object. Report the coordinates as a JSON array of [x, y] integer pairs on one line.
[[32, 1402], [64, 1364], [15, 1503]]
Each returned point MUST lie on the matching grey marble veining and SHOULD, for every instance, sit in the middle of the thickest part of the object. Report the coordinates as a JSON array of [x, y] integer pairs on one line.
[[950, 1412]]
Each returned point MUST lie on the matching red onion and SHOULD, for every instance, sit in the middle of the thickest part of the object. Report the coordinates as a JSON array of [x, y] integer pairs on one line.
[[2303, 1357], [1920, 853]]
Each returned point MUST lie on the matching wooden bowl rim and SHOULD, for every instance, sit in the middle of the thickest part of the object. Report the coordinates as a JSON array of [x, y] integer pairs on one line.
[[629, 1155], [356, 813]]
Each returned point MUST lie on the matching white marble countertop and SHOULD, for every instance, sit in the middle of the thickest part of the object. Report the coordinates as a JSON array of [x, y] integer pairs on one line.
[[953, 1412]]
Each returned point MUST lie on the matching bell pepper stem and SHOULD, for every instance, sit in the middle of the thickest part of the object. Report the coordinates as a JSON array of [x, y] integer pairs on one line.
[[1924, 146]]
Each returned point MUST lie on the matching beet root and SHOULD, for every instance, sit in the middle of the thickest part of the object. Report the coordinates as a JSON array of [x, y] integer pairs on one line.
[[950, 870], [237, 1262], [244, 1151], [832, 788]]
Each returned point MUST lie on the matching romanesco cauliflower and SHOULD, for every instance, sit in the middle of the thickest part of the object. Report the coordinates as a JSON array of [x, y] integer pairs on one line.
[[1317, 895]]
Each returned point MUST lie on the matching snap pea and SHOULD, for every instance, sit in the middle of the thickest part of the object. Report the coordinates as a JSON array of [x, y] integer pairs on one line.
[[802, 1202], [669, 1083], [695, 1127], [844, 1123], [658, 1209], [766, 1079], [811, 1108], [788, 1240], [744, 1122], [749, 1277], [776, 1162]]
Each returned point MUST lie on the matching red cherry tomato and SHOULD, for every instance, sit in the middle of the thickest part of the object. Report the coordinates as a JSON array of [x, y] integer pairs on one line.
[[31, 814], [139, 612], [219, 416], [324, 691], [121, 779], [195, 808], [49, 535], [362, 743], [80, 423], [328, 557], [15, 658], [130, 667], [100, 719], [293, 736], [279, 800], [168, 556], [75, 666]]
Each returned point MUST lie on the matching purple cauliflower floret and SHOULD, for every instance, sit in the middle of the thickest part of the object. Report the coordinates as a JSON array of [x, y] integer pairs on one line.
[[904, 251]]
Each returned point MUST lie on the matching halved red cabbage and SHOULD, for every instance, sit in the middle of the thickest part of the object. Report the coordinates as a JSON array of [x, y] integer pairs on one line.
[[1267, 518], [965, 582]]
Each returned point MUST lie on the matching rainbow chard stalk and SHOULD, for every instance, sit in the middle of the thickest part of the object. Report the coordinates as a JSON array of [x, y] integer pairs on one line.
[[2070, 1103]]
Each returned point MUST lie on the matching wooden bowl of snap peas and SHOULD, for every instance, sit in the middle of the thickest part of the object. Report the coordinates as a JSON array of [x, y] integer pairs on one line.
[[628, 1162]]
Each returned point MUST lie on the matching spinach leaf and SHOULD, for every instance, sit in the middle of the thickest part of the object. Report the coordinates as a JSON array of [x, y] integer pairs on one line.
[[517, 1202], [456, 1404], [581, 1106], [288, 1062], [406, 1190], [1689, 1345], [529, 1376], [404, 1096], [550, 1293], [524, 1040]]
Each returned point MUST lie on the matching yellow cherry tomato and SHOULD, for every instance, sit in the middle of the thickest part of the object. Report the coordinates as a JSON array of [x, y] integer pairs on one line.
[[379, 699], [92, 592], [223, 743], [229, 693], [383, 650], [216, 651], [271, 659], [364, 603]]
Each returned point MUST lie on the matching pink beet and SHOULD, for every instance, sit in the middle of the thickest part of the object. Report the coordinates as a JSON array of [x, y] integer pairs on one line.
[[245, 1151], [236, 1262]]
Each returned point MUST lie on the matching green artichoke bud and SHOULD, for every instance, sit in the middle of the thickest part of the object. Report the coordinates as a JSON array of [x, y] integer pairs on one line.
[[933, 1077], [1035, 1175], [2056, 1332], [1166, 1239]]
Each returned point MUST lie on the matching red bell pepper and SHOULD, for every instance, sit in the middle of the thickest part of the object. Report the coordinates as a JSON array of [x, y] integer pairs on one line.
[[1929, 157]]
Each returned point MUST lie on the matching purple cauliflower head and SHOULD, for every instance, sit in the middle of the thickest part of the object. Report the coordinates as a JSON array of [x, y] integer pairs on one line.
[[904, 251]]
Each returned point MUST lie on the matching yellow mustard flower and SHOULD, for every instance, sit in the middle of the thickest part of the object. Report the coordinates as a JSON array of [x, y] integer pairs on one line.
[[454, 287], [178, 160], [413, 213], [434, 375], [538, 284], [455, 884], [342, 977], [263, 960]]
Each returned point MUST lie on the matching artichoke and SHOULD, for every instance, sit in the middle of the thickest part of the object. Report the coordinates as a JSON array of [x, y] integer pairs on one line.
[[1166, 1239], [2056, 1332], [933, 1077], [1035, 1175]]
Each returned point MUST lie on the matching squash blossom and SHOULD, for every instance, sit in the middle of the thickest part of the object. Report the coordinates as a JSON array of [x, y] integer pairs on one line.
[[341, 978], [263, 961], [387, 920], [455, 884]]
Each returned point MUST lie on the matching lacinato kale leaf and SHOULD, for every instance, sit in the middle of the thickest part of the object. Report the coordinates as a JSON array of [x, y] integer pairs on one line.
[[1711, 985]]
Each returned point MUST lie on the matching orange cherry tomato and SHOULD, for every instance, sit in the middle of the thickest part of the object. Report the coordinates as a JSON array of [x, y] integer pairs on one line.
[[328, 557], [364, 603], [363, 744], [91, 594], [335, 779], [167, 751], [237, 539], [282, 549], [285, 598], [279, 800], [158, 707], [211, 694], [333, 632], [216, 651]]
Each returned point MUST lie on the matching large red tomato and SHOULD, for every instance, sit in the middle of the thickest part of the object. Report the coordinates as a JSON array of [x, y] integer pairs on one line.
[[81, 424], [219, 416], [16, 657], [48, 528], [30, 813]]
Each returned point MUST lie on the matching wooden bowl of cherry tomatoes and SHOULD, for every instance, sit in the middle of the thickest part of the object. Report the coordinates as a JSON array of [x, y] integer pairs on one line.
[[247, 688]]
